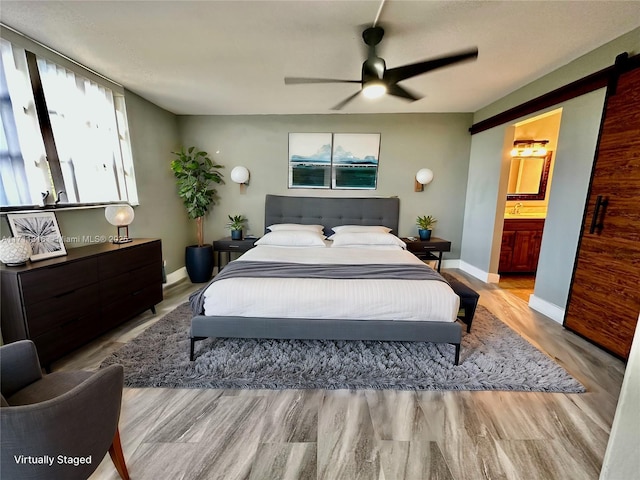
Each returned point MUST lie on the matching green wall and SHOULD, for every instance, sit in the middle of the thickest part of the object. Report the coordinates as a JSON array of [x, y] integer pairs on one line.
[[571, 175], [408, 142], [154, 135]]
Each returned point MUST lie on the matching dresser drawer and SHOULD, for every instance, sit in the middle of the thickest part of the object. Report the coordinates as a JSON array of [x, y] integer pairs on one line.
[[45, 315], [130, 258], [65, 337], [131, 305], [58, 280], [114, 288]]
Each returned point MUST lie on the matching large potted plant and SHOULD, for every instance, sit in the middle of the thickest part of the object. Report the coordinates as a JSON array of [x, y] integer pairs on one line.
[[235, 224], [195, 174], [425, 226]]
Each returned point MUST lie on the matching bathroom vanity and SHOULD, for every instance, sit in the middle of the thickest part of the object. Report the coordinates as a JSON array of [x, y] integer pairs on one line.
[[521, 239]]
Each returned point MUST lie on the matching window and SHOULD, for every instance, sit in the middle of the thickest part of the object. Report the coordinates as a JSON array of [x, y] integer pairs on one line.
[[64, 137]]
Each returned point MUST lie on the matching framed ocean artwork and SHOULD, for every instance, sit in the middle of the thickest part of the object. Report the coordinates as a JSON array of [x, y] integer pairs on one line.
[[337, 161], [355, 161], [310, 160]]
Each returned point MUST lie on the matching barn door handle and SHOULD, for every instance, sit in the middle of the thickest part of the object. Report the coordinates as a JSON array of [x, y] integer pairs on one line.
[[600, 204]]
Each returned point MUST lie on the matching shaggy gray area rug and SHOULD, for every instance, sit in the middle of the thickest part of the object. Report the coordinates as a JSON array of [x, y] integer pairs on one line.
[[493, 357]]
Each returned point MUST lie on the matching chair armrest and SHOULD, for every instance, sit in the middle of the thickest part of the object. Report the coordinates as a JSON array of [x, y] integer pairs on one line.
[[19, 366], [79, 423]]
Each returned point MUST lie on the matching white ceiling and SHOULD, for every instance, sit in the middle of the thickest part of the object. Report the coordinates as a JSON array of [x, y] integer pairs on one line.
[[230, 57]]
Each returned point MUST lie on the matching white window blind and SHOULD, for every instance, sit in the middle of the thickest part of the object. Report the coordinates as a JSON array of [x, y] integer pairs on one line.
[[23, 169], [85, 134]]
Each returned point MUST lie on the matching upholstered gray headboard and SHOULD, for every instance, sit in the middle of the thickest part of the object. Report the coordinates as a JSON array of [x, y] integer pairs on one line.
[[330, 212]]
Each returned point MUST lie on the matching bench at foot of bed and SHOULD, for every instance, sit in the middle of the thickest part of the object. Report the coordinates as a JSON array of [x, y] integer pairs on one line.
[[468, 300]]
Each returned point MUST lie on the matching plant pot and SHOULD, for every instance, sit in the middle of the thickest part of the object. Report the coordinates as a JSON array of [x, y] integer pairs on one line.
[[199, 263], [236, 234], [424, 234]]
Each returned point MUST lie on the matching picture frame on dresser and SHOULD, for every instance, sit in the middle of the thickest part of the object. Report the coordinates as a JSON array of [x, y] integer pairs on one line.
[[42, 231]]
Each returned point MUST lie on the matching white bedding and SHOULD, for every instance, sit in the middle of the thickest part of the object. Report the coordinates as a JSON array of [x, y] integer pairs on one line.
[[418, 300]]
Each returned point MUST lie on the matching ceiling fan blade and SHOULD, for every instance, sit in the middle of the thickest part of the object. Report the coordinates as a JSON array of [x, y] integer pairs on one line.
[[394, 75], [340, 105], [302, 80], [401, 92]]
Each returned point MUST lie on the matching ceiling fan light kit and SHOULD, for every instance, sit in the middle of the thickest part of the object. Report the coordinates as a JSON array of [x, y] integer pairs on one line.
[[374, 89], [376, 80]]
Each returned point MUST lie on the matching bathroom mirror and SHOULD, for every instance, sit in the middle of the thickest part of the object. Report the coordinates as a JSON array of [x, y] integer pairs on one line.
[[528, 178]]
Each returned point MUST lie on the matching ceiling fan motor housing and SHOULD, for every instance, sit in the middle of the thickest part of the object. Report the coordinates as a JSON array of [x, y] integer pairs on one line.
[[373, 69]]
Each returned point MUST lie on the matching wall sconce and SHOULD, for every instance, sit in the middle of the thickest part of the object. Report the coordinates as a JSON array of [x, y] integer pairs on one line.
[[240, 175], [529, 148], [423, 177], [120, 216]]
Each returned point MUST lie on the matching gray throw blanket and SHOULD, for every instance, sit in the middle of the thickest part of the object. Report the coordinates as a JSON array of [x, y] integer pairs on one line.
[[257, 269]]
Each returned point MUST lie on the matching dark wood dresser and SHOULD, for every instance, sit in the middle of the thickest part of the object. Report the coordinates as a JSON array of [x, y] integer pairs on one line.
[[63, 302]]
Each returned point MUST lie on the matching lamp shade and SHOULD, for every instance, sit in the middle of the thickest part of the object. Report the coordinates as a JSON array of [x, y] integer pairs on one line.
[[119, 215], [240, 174], [424, 176]]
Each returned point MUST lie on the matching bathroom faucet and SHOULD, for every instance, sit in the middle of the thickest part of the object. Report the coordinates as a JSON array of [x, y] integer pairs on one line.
[[516, 208]]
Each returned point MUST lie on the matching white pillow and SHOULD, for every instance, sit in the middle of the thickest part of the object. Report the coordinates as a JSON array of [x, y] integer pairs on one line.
[[295, 226], [361, 229], [292, 238], [365, 239]]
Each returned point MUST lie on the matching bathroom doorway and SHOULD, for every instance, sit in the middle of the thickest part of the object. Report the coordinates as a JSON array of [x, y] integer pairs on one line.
[[529, 182]]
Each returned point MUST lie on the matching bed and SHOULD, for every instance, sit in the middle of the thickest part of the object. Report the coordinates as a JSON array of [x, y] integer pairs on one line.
[[321, 308]]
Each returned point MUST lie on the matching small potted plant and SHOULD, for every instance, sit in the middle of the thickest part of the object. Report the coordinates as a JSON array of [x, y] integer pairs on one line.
[[425, 226], [235, 224]]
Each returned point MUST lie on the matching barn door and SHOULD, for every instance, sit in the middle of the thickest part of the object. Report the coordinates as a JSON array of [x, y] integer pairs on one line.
[[604, 300]]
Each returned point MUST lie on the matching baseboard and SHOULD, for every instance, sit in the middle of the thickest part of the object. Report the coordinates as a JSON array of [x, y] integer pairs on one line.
[[548, 309], [176, 276], [455, 263], [479, 274]]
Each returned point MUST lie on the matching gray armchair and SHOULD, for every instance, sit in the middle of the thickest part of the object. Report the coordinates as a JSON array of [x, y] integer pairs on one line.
[[57, 426]]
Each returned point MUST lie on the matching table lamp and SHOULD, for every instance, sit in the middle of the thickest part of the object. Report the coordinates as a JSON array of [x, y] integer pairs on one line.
[[121, 217]]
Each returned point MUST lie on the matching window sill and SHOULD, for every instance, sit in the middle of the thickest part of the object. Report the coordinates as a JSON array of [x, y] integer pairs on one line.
[[59, 207]]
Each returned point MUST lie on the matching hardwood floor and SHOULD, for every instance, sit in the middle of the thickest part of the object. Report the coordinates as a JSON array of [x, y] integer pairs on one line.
[[519, 285], [376, 435]]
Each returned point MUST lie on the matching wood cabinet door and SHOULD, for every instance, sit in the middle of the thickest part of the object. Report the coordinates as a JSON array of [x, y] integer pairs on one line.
[[604, 300], [526, 251]]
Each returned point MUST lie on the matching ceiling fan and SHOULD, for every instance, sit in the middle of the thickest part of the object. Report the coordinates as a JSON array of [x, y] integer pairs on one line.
[[377, 79]]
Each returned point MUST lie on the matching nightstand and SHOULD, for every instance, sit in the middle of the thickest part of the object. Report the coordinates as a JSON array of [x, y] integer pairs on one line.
[[427, 249], [230, 246]]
